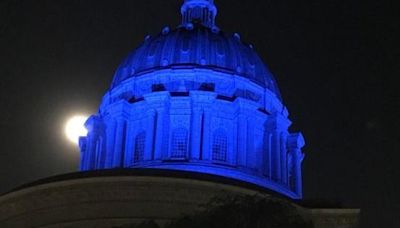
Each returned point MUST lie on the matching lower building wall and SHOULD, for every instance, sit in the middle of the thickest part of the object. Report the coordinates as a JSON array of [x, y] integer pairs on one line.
[[334, 218], [119, 200]]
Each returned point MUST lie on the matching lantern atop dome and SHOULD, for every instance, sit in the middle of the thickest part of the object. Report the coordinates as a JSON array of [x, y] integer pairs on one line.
[[199, 12]]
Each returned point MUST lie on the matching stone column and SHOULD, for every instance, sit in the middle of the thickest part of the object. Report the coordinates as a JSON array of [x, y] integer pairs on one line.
[[160, 128], [159, 103], [88, 162], [196, 129], [295, 143], [119, 143], [99, 152], [276, 156], [110, 142], [233, 158], [245, 136], [95, 128], [201, 124], [267, 154], [129, 146], [284, 157], [206, 147], [149, 145], [276, 125], [242, 140], [83, 149]]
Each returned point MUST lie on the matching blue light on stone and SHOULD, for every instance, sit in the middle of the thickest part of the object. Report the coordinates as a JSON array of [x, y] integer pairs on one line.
[[196, 99]]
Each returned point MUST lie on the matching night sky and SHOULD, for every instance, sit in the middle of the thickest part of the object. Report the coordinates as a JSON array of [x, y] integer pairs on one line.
[[335, 62]]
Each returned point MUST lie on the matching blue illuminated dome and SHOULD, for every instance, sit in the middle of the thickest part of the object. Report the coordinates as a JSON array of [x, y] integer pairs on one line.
[[196, 99]]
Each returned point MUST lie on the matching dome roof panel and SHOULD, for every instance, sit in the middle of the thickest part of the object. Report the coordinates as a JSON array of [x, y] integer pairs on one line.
[[197, 46]]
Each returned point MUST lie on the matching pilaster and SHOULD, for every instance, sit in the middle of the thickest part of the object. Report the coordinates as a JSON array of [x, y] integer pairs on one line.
[[93, 152], [245, 136], [129, 146], [149, 146], [295, 143], [278, 125], [119, 143], [159, 102], [196, 137], [201, 100]]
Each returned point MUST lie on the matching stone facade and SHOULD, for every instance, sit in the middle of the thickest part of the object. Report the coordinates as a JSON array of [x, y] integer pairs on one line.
[[104, 201]]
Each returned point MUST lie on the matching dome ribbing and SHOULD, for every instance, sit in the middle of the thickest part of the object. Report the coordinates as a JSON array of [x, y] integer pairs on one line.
[[199, 47]]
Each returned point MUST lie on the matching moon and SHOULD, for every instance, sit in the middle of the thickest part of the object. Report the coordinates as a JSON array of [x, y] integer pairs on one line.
[[75, 128]]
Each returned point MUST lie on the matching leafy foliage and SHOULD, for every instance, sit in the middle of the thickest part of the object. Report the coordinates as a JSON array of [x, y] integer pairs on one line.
[[239, 212], [244, 212], [146, 224]]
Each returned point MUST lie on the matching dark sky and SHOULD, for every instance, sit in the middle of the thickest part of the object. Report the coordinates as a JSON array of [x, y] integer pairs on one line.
[[335, 62]]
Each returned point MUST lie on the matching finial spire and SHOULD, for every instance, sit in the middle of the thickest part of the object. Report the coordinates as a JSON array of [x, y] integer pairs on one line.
[[199, 11]]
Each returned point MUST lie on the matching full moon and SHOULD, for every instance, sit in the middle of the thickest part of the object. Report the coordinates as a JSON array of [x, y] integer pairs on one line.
[[75, 128]]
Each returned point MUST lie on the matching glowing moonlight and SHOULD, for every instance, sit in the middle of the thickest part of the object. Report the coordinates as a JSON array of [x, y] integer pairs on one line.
[[75, 128]]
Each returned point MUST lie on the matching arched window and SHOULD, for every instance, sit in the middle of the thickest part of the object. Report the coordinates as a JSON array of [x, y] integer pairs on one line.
[[179, 143], [219, 146], [139, 147]]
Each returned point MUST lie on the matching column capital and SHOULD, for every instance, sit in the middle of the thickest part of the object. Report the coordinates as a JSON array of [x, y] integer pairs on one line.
[[157, 97], [296, 141], [94, 123], [151, 112], [278, 122], [203, 96], [245, 104], [118, 109]]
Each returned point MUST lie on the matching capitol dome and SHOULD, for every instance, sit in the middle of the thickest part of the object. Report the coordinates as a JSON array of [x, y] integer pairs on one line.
[[195, 99], [193, 118], [198, 46]]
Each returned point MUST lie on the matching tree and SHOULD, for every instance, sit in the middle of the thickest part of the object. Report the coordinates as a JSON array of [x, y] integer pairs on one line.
[[238, 212], [244, 212], [146, 224]]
